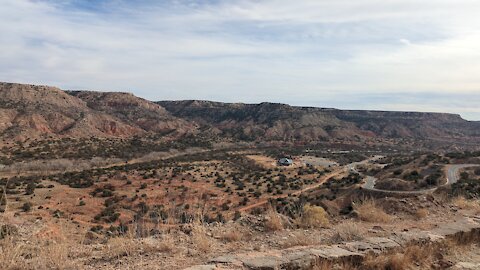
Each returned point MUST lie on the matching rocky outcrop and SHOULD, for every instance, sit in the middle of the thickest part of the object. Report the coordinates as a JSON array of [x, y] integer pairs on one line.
[[304, 257]]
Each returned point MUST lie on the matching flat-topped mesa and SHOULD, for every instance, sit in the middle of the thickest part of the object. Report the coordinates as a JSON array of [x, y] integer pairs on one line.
[[29, 111], [397, 114], [285, 122]]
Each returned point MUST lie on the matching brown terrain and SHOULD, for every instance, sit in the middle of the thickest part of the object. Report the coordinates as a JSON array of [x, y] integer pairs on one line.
[[30, 111], [96, 180], [269, 121]]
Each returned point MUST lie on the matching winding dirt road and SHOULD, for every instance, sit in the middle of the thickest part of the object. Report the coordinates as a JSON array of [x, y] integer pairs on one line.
[[452, 172], [347, 168]]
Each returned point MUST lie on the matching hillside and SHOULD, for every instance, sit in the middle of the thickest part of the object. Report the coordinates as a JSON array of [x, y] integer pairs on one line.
[[30, 111], [135, 111], [279, 121]]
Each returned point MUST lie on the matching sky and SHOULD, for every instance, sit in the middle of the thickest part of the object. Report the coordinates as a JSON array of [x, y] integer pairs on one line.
[[359, 54]]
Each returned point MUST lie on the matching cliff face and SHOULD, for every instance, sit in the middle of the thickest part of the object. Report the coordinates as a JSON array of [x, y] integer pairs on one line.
[[280, 121], [30, 111], [135, 111], [411, 124]]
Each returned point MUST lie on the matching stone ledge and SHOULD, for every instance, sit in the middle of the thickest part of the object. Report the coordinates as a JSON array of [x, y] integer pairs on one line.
[[303, 257]]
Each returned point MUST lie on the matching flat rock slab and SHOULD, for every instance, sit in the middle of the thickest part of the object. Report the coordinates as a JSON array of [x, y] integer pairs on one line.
[[226, 259], [264, 262], [298, 258], [304, 257], [461, 226], [371, 244], [333, 252], [466, 266], [403, 238], [203, 267]]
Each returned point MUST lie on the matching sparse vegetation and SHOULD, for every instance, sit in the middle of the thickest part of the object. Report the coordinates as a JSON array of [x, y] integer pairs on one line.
[[348, 231], [313, 217], [368, 210], [273, 222]]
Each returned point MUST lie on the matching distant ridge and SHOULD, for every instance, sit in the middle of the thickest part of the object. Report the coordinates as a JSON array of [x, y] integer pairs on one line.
[[30, 111]]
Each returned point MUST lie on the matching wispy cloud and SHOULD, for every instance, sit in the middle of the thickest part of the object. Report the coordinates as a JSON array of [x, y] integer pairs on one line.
[[286, 51]]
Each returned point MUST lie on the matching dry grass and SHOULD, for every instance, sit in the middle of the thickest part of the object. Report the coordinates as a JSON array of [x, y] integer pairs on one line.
[[463, 203], [313, 217], [200, 238], [273, 222], [421, 213], [36, 255], [323, 265], [299, 239], [119, 247], [167, 244], [55, 256], [232, 236], [369, 211], [11, 254], [411, 256], [348, 231], [124, 246]]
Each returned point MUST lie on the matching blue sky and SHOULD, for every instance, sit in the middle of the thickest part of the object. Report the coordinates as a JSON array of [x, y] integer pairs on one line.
[[362, 54]]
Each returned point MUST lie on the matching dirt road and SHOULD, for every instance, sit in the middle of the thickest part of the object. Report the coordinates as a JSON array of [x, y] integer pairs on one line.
[[452, 177]]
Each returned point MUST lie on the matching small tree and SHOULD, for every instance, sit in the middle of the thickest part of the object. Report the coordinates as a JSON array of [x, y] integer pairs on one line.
[[3, 200], [27, 206], [30, 188]]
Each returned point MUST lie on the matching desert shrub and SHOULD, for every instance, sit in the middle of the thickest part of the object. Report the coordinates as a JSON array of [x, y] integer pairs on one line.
[[412, 176], [463, 203], [7, 230], [367, 210], [27, 206], [108, 214], [104, 191], [398, 172], [313, 217], [30, 189], [469, 188], [3, 200], [237, 215]]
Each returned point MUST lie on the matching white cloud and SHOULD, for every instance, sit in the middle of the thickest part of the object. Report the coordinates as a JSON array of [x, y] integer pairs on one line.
[[247, 50]]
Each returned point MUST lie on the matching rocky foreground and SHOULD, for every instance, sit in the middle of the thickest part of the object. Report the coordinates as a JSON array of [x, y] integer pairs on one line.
[[465, 229]]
